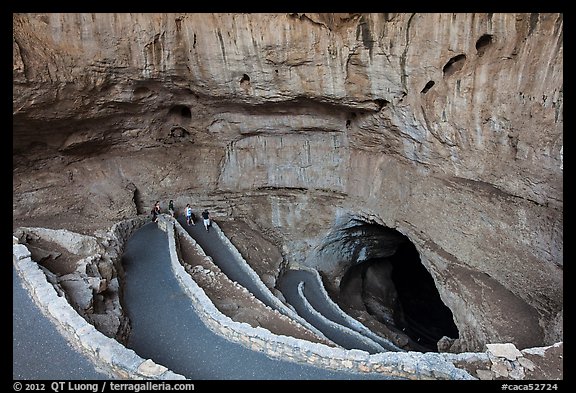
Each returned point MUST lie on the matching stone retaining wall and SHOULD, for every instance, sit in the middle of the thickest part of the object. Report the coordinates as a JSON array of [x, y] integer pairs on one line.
[[245, 267], [124, 363], [410, 365], [356, 325], [106, 353]]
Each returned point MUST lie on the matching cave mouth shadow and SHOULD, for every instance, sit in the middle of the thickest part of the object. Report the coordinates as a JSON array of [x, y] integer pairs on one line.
[[393, 286]]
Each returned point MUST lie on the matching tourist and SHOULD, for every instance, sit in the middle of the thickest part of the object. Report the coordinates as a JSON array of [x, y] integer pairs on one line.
[[206, 217], [189, 215], [171, 208], [156, 211]]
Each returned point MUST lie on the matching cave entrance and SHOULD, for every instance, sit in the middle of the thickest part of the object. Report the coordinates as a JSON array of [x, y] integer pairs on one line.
[[389, 281]]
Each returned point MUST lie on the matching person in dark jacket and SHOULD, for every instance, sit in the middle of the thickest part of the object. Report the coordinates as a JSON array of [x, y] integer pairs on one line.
[[206, 217], [155, 211]]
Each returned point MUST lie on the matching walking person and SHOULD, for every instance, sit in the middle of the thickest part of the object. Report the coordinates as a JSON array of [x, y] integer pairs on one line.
[[155, 211], [171, 208], [189, 215], [206, 217]]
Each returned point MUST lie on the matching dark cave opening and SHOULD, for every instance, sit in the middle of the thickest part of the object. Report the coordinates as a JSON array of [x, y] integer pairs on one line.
[[483, 43], [423, 315], [181, 110], [395, 288], [453, 65]]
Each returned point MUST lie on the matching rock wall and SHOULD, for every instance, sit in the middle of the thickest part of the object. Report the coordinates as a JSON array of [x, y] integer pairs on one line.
[[107, 353], [446, 127], [89, 275]]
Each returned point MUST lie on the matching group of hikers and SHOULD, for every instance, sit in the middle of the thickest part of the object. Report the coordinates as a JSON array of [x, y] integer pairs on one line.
[[190, 217]]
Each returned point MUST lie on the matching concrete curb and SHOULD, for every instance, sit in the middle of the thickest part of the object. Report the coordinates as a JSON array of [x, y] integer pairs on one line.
[[113, 358], [375, 347], [106, 353], [410, 365], [245, 266], [353, 323]]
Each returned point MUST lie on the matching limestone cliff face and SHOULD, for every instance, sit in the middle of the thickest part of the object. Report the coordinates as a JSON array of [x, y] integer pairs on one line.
[[446, 127]]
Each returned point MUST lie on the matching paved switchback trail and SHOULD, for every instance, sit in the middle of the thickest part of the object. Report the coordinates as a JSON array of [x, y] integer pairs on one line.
[[223, 258], [306, 294], [313, 305], [166, 328]]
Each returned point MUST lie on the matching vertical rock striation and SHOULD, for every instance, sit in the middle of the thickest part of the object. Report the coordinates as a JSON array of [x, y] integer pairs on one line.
[[445, 127]]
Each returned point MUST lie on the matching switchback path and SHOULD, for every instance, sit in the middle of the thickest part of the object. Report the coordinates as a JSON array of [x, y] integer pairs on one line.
[[306, 295], [166, 328], [319, 312]]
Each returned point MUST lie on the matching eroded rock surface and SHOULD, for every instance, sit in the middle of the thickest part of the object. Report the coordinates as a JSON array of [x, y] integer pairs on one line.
[[85, 271], [444, 127]]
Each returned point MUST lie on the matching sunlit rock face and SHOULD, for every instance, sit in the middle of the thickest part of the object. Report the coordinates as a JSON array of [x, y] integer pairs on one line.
[[444, 127]]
